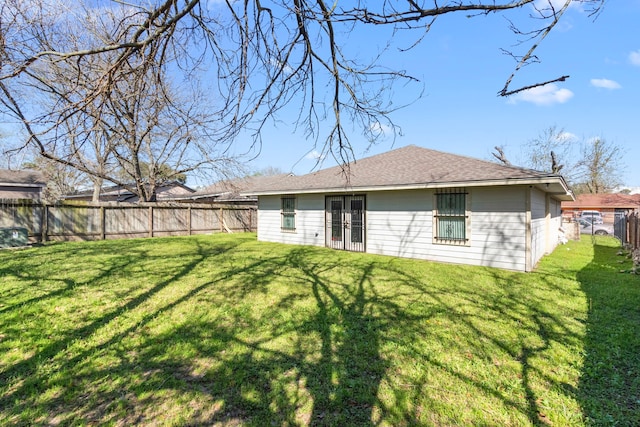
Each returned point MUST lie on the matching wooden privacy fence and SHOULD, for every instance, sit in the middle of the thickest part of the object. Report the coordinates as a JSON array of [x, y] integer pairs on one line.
[[633, 226], [112, 220]]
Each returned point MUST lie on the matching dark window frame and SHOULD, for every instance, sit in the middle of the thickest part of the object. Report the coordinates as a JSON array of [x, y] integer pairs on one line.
[[288, 208], [451, 217]]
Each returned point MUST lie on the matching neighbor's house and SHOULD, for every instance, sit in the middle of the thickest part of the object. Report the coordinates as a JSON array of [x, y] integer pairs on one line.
[[22, 184], [607, 204], [166, 192], [230, 191], [419, 203]]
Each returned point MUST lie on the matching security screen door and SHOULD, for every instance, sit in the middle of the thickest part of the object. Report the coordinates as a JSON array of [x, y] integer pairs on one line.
[[345, 223]]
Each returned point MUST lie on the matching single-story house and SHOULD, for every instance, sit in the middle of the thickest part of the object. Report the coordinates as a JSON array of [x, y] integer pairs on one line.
[[168, 191], [230, 191], [21, 184], [419, 203], [607, 204]]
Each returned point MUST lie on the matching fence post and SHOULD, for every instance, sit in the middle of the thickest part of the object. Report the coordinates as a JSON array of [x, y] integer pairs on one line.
[[189, 220], [47, 218], [45, 222], [103, 225], [150, 221]]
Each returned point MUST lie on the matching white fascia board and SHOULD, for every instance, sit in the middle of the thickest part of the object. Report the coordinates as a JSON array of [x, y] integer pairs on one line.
[[485, 183]]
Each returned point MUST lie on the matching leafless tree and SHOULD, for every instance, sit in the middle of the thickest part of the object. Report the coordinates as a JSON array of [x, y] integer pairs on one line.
[[500, 155], [128, 124], [589, 165], [61, 180], [600, 167], [552, 151], [263, 55]]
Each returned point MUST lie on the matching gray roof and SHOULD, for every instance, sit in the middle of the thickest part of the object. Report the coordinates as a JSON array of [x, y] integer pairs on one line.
[[412, 167], [26, 178], [238, 185], [120, 191]]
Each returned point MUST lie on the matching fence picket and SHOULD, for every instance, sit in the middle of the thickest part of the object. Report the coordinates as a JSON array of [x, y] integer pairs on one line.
[[111, 220], [633, 221]]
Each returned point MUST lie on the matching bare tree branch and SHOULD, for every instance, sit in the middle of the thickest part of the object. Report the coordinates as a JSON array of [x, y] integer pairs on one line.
[[264, 55], [500, 156]]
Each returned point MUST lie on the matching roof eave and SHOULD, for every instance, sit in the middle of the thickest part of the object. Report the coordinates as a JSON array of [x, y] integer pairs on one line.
[[23, 184], [552, 184]]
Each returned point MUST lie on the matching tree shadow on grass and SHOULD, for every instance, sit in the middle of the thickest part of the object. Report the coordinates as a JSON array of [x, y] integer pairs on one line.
[[609, 389], [295, 336], [27, 376], [326, 372], [539, 328], [254, 384], [334, 372]]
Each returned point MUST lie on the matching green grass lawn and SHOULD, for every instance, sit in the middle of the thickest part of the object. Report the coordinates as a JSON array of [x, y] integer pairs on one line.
[[225, 330]]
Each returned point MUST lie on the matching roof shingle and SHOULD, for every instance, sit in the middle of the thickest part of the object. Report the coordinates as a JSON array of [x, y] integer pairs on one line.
[[407, 166], [27, 177]]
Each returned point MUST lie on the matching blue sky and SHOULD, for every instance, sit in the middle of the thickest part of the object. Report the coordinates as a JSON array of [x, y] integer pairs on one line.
[[461, 69]]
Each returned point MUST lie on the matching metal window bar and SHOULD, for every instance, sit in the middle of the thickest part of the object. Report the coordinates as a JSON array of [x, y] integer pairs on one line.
[[288, 213], [451, 216]]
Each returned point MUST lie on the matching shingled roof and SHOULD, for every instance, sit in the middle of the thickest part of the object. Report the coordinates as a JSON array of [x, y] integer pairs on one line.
[[413, 167], [23, 178], [232, 188], [604, 201]]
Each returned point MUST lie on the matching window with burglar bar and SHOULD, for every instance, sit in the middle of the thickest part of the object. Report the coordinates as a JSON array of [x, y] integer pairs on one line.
[[451, 217], [288, 212]]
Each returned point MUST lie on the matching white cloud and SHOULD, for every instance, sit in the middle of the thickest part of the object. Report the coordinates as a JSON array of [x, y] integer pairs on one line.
[[566, 137], [605, 83], [543, 95], [634, 58], [315, 155], [555, 4]]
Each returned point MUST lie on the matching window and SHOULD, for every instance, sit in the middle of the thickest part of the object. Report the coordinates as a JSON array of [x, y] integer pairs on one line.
[[336, 220], [451, 217], [357, 216], [288, 208]]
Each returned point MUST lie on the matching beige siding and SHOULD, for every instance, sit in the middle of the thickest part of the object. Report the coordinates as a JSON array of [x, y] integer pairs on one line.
[[309, 220], [538, 226], [498, 226], [20, 193], [555, 223], [400, 223], [546, 220]]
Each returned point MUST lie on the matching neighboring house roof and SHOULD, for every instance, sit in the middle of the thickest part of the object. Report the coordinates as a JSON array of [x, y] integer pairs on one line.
[[232, 190], [22, 178], [603, 201], [413, 167], [165, 191]]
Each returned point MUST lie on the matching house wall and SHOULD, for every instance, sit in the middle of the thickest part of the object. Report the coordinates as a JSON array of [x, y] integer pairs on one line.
[[538, 226], [546, 221], [499, 236], [12, 192], [309, 220], [556, 223], [400, 223]]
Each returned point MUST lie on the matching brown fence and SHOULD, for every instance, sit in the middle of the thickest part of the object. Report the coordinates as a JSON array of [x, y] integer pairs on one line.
[[111, 220], [633, 230]]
